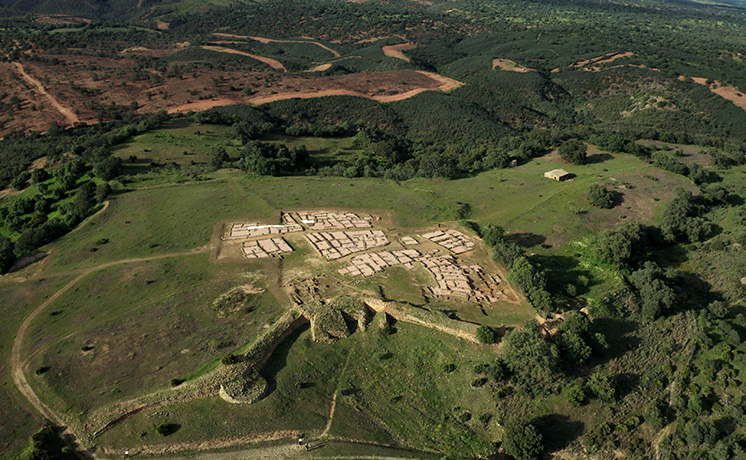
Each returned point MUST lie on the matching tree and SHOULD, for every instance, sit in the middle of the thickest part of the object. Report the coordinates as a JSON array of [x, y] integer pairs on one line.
[[486, 334], [603, 386], [522, 440], [573, 151], [108, 168], [7, 254], [527, 355], [218, 158], [600, 197], [624, 245], [656, 296]]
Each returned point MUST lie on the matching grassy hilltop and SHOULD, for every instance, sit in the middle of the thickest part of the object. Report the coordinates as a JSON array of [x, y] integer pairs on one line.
[[427, 292]]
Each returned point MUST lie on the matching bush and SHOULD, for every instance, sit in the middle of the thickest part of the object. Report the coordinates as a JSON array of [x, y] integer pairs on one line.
[[576, 395], [603, 386], [573, 151], [486, 334], [165, 429], [600, 197], [522, 440]]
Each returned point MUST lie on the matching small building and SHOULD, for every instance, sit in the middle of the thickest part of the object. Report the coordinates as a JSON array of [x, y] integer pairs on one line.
[[557, 174]]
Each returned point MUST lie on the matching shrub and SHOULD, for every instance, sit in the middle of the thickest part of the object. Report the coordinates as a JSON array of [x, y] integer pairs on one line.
[[522, 440], [576, 395], [600, 197], [486, 334], [573, 151], [165, 429]]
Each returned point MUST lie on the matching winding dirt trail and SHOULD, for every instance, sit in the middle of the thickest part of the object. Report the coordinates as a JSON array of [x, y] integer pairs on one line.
[[264, 40], [67, 113], [274, 63], [445, 84]]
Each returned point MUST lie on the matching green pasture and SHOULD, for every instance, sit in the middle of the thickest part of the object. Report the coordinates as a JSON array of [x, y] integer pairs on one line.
[[130, 329], [19, 419], [389, 388]]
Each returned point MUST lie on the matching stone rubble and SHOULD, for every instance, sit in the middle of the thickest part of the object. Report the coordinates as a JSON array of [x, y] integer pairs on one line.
[[269, 247], [253, 230], [330, 220], [335, 245], [453, 240], [368, 264], [468, 282]]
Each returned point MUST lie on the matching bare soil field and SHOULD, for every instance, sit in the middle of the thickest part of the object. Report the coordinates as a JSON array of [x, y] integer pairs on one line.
[[511, 66], [31, 111], [590, 65], [61, 20], [70, 117], [379, 86], [78, 88], [396, 51]]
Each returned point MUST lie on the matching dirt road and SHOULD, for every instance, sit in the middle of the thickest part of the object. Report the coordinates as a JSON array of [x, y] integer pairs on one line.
[[270, 40], [67, 113], [274, 63]]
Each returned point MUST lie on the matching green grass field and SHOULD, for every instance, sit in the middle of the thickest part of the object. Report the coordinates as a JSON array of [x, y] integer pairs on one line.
[[19, 300], [368, 371], [128, 330]]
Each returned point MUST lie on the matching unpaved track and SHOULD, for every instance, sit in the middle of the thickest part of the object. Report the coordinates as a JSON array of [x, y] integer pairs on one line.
[[396, 51], [270, 40], [274, 63], [67, 113], [16, 364]]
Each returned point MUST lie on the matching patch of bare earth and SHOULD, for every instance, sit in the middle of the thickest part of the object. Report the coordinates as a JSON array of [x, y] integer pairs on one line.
[[511, 66], [397, 51], [69, 115], [728, 92], [30, 112], [61, 20], [591, 65]]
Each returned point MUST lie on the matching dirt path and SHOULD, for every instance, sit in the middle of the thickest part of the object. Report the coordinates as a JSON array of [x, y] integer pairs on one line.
[[396, 51], [446, 84], [274, 63], [67, 113], [16, 364], [270, 40]]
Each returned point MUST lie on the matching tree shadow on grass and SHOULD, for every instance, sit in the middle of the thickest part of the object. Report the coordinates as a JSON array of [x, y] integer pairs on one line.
[[526, 239], [598, 158], [619, 336], [278, 360], [563, 270], [558, 431]]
